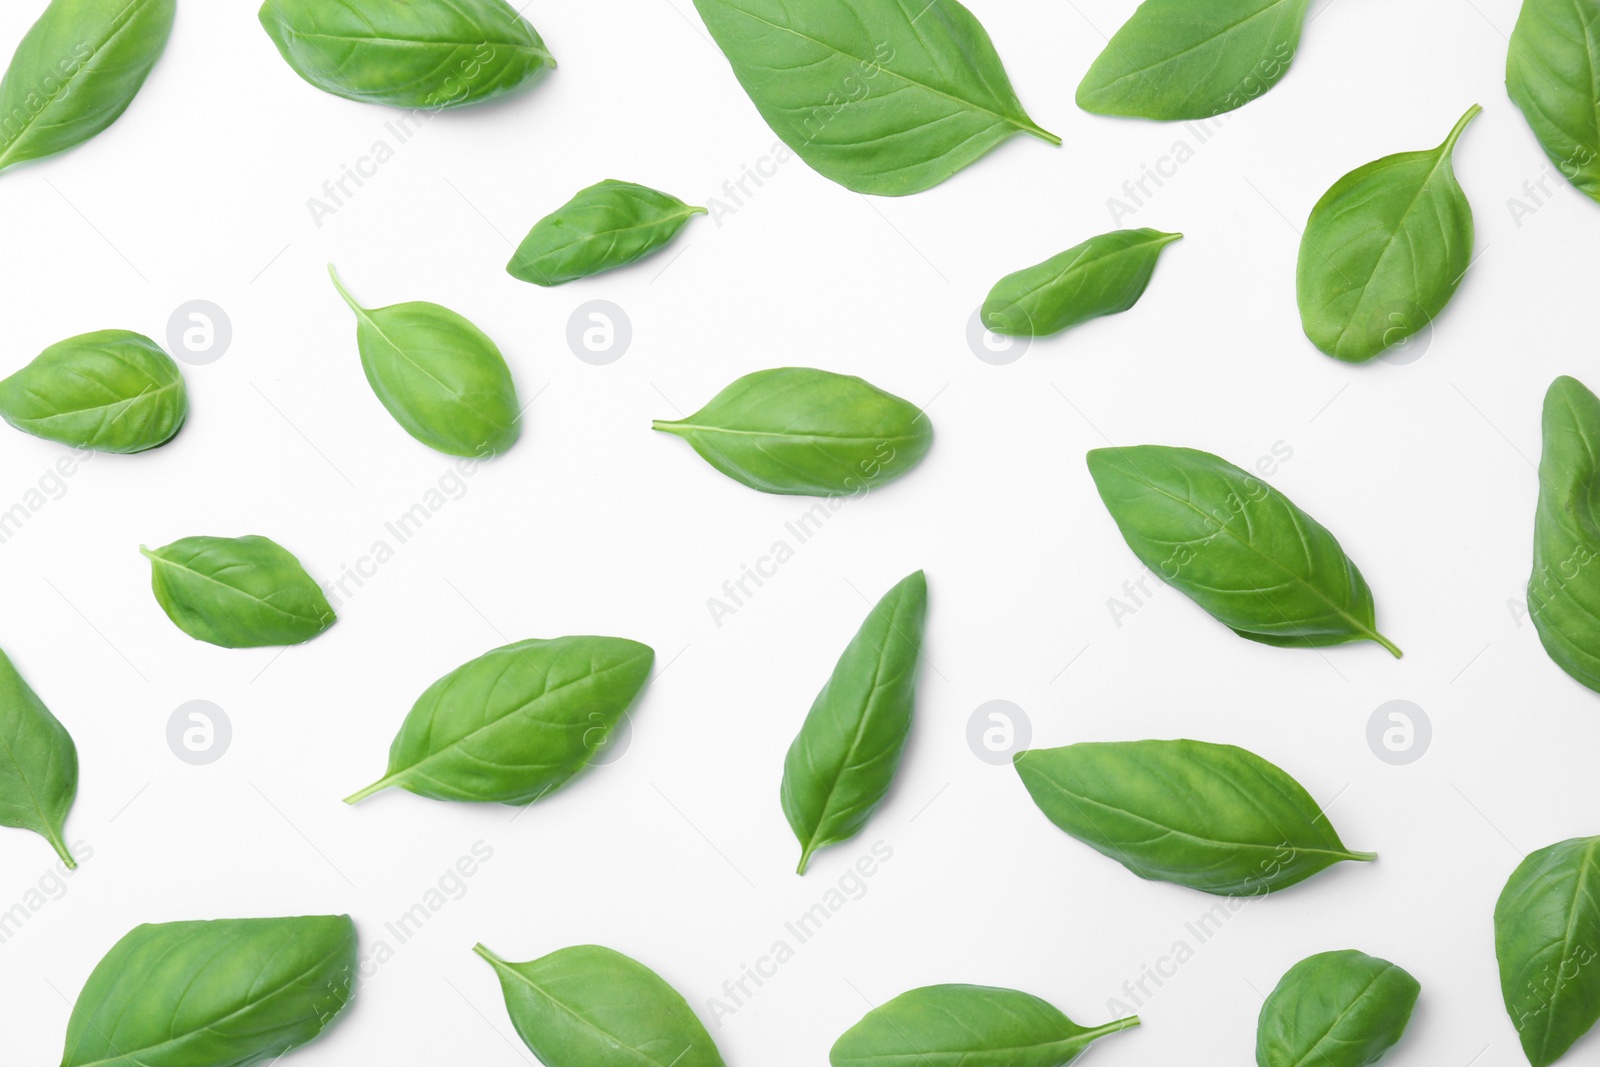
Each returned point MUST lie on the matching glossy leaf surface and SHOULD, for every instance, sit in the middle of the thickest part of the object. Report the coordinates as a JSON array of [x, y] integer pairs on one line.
[[1102, 276], [38, 763], [1553, 75], [603, 227], [237, 592], [1564, 588], [1335, 1009], [112, 391]]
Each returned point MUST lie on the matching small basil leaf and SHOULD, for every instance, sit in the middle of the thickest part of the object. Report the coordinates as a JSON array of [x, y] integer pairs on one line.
[[842, 762], [1102, 276], [1550, 75], [429, 54], [1564, 589], [1235, 546], [517, 723], [112, 391], [804, 432], [967, 1026], [1384, 251], [1192, 59], [440, 376], [882, 96], [1211, 817], [237, 592], [1547, 940], [38, 763], [590, 1006], [605, 226], [199, 994], [1335, 1009], [76, 71]]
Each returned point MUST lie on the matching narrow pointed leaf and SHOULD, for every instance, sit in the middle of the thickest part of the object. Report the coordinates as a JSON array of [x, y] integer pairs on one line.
[[842, 763], [1211, 817], [38, 763], [237, 592], [1102, 276], [1335, 1009], [1553, 75], [603, 227], [111, 391], [1564, 589]]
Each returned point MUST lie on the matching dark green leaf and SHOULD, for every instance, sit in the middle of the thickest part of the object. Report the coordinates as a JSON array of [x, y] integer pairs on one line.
[[237, 592], [841, 764], [1564, 589], [38, 763], [1553, 75], [516, 723], [605, 226], [1102, 276], [1335, 1009], [1235, 546], [112, 391], [882, 96], [1211, 817]]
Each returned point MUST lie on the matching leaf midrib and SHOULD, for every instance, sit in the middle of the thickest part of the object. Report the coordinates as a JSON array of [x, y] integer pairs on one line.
[[234, 589], [506, 968]]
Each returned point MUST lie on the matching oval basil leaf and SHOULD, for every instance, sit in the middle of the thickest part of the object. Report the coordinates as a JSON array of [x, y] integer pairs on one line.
[[1102, 276], [605, 226], [429, 54], [237, 592], [1192, 59], [76, 71], [1211, 817], [1235, 546], [1384, 251], [441, 378], [516, 723], [111, 391], [590, 1006], [38, 764], [1550, 76], [965, 1025], [1564, 589], [798, 431], [230, 991], [841, 764], [882, 96], [1335, 1009], [1547, 937]]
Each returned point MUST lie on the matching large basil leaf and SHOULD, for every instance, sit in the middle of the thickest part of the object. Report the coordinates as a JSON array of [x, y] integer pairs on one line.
[[440, 376], [516, 723], [1553, 75], [967, 1026], [1564, 589], [203, 994], [590, 1006], [237, 592], [1102, 276], [1384, 251], [841, 764], [605, 226], [420, 54], [1211, 817], [882, 96], [806, 432], [1335, 1009], [38, 763], [1547, 939], [76, 71], [112, 391], [1192, 59], [1235, 546]]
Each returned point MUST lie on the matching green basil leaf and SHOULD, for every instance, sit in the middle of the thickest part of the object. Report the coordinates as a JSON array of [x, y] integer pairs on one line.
[[1235, 546], [517, 723], [605, 226], [1102, 276], [841, 764], [590, 1006], [1384, 251], [966, 1026], [237, 592], [804, 432], [1335, 1009], [112, 391], [1546, 938], [202, 994], [440, 376], [1192, 59], [882, 96], [429, 54], [1211, 817], [1564, 589], [76, 71], [38, 764], [1551, 75]]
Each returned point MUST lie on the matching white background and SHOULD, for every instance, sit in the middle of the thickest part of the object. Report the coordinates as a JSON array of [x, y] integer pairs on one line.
[[678, 854]]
